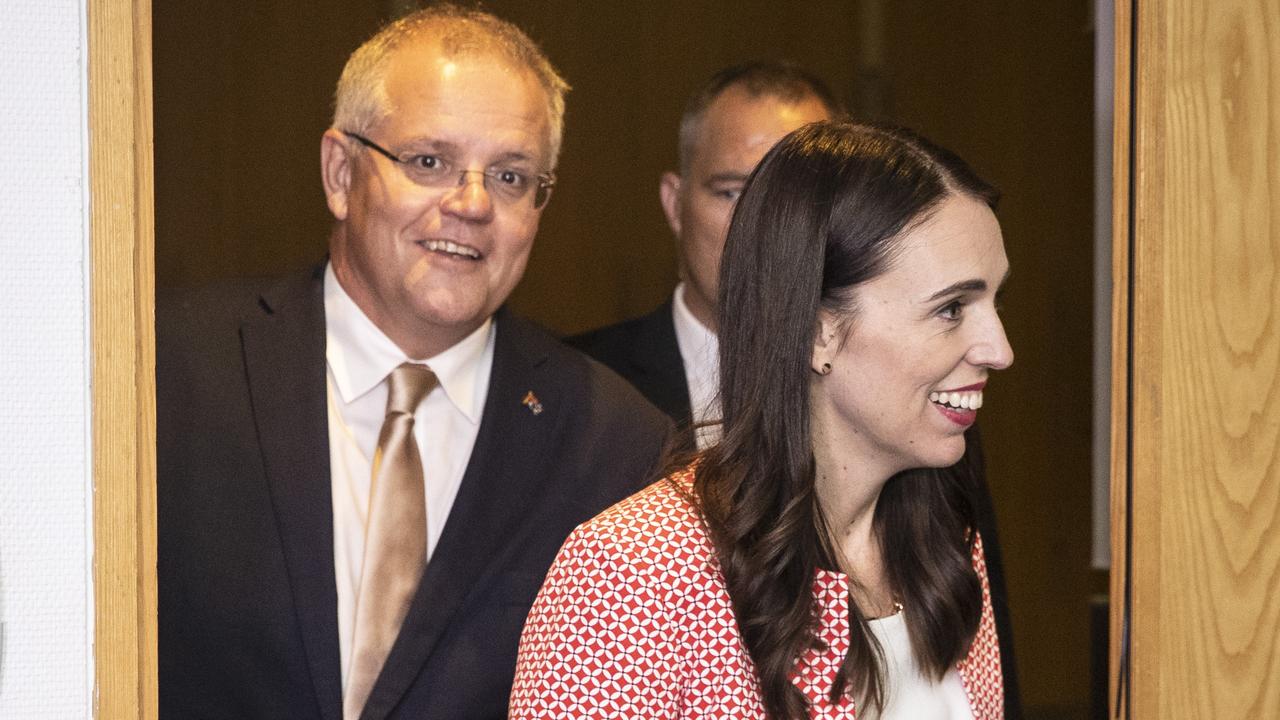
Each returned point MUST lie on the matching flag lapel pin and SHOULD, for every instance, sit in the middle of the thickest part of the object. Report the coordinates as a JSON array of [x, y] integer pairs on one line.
[[531, 401]]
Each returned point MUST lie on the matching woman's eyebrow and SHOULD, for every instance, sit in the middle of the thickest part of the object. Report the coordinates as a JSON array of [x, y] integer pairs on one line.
[[973, 285]]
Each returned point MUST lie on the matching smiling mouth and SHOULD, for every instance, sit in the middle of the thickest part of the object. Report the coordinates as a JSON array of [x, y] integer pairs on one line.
[[957, 400], [452, 249]]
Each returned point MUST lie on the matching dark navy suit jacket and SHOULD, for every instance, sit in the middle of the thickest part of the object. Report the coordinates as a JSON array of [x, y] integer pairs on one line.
[[247, 597]]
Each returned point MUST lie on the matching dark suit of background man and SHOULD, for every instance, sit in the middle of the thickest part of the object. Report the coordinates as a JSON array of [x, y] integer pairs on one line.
[[670, 354], [271, 398]]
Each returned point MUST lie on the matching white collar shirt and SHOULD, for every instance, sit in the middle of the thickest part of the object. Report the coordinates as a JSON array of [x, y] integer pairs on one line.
[[359, 357], [700, 352]]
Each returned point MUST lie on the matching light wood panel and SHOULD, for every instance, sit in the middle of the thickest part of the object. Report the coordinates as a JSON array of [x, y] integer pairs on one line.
[[123, 345], [1120, 329], [1206, 361]]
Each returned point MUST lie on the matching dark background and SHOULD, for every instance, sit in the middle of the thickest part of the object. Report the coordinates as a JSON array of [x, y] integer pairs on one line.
[[243, 92]]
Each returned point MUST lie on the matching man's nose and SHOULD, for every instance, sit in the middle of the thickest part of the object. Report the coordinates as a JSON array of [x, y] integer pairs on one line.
[[470, 199]]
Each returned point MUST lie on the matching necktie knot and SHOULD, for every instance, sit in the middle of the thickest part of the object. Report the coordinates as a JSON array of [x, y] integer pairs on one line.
[[407, 385]]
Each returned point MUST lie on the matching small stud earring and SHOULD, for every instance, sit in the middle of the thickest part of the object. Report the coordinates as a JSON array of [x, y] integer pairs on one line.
[[825, 369]]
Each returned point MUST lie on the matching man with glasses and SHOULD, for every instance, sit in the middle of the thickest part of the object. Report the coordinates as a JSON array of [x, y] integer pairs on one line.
[[365, 471]]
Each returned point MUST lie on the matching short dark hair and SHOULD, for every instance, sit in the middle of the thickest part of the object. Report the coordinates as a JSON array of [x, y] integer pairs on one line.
[[823, 213], [762, 78]]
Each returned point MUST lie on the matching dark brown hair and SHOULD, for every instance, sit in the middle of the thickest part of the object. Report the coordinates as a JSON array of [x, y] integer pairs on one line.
[[821, 214]]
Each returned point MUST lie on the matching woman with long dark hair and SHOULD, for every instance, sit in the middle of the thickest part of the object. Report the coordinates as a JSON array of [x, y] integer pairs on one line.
[[819, 561]]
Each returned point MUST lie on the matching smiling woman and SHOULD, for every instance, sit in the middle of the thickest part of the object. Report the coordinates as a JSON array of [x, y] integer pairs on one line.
[[821, 559], [910, 349]]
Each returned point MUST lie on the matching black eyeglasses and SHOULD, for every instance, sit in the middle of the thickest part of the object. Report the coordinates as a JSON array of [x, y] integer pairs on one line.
[[506, 185]]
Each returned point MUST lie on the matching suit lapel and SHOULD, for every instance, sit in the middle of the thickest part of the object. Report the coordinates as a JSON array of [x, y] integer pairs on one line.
[[508, 464], [284, 349]]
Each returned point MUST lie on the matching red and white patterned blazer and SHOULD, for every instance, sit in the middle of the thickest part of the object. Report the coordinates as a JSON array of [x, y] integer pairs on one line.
[[634, 621]]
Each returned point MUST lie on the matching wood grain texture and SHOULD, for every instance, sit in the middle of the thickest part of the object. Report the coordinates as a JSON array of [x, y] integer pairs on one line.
[[1120, 366], [1206, 407], [123, 368]]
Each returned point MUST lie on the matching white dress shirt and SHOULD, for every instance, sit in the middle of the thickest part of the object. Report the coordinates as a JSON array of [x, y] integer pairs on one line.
[[700, 351], [359, 357], [909, 694]]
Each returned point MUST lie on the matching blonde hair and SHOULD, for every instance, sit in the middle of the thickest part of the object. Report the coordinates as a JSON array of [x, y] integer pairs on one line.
[[360, 101]]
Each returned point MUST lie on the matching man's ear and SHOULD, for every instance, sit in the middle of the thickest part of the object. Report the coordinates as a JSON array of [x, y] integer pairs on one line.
[[335, 171], [826, 342], [669, 193]]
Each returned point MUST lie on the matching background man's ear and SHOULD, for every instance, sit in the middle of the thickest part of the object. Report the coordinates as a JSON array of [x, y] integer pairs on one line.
[[669, 193], [335, 171]]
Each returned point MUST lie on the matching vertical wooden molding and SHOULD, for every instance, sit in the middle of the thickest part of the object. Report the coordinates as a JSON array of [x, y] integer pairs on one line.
[[1120, 275], [1205, 361], [1146, 360], [123, 366]]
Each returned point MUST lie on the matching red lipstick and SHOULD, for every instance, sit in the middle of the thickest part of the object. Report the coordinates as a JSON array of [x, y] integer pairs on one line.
[[963, 418]]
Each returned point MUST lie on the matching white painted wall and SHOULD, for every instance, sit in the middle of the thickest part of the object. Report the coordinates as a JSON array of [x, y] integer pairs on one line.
[[46, 608]]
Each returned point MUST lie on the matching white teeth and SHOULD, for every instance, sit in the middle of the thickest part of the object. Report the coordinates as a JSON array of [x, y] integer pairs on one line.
[[958, 400], [452, 248]]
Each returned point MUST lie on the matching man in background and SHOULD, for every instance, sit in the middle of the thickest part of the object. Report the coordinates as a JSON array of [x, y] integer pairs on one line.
[[671, 354], [365, 470], [727, 127]]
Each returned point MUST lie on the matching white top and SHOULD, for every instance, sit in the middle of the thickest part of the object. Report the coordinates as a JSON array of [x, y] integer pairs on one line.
[[359, 358], [912, 696], [700, 351]]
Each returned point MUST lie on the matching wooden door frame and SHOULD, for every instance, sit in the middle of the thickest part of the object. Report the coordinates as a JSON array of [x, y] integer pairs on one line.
[[1121, 376], [1194, 410], [122, 342]]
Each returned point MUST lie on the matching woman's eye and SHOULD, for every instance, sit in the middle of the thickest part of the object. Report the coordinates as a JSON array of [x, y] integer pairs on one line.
[[730, 194], [952, 310]]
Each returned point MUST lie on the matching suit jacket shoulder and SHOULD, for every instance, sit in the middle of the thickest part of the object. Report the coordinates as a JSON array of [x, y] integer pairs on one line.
[[645, 352], [602, 408]]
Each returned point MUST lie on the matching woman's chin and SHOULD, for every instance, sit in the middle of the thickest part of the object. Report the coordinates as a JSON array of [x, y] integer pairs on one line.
[[948, 453]]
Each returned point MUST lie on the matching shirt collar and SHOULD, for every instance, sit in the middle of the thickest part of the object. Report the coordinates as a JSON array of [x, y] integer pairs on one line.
[[360, 355], [698, 345]]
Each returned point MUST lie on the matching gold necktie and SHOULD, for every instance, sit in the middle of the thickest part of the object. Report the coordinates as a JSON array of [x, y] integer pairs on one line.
[[395, 545]]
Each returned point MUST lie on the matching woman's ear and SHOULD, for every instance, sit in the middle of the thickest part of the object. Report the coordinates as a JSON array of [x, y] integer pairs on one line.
[[825, 342]]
